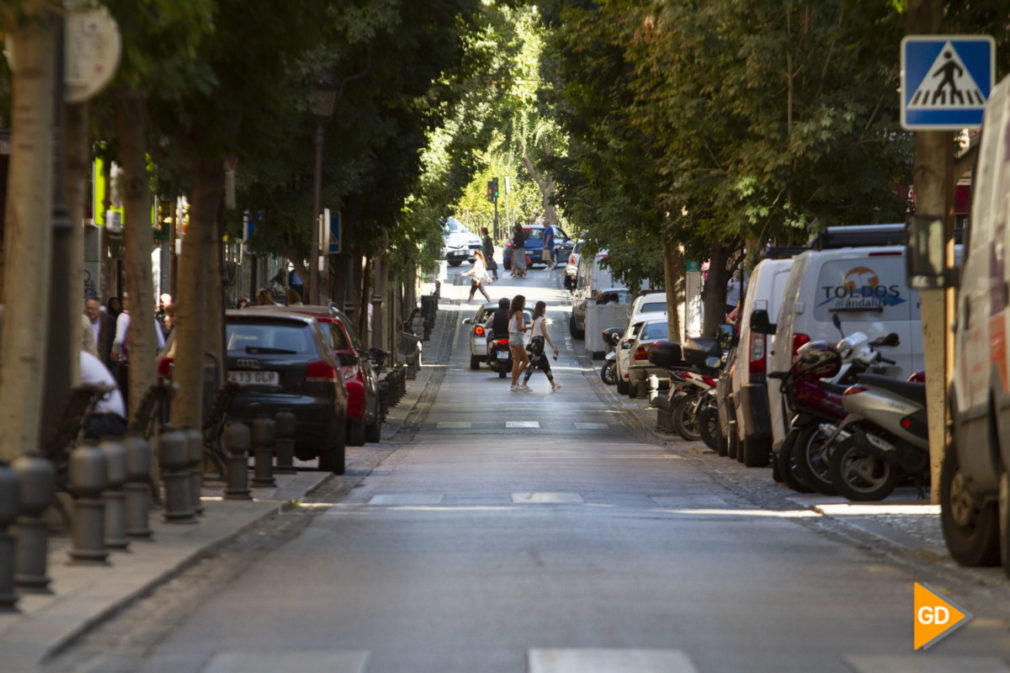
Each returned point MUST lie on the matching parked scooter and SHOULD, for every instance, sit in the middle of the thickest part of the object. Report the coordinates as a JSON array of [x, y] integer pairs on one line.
[[883, 437], [812, 389], [608, 371]]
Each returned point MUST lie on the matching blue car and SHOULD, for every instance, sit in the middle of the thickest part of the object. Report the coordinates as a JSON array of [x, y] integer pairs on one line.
[[534, 245]]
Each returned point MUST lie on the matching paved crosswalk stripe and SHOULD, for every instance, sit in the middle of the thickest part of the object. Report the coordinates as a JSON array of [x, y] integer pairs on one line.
[[547, 498], [591, 426], [522, 424], [454, 425], [401, 499], [917, 663], [304, 661], [599, 660]]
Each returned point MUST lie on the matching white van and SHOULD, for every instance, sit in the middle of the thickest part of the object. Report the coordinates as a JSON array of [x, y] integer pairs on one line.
[[749, 391], [590, 279], [974, 478], [868, 290]]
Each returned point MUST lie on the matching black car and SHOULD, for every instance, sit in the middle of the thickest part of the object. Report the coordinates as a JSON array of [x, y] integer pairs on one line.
[[282, 360]]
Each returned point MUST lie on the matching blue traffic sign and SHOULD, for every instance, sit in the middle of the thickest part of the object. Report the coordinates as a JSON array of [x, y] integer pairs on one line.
[[335, 240], [945, 81]]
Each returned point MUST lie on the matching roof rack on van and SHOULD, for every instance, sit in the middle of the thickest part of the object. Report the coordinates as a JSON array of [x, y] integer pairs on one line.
[[859, 235]]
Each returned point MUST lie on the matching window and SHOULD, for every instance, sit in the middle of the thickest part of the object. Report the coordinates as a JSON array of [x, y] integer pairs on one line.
[[241, 336], [653, 330]]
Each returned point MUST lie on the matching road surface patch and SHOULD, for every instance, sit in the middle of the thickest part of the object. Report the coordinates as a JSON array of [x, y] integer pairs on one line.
[[547, 498], [916, 663], [306, 661], [406, 499], [598, 660]]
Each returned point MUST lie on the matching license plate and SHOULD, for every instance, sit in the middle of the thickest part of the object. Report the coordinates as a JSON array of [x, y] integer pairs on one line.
[[502, 355], [254, 378]]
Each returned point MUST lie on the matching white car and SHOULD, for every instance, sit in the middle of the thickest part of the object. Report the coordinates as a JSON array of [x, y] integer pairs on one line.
[[646, 307], [458, 242], [572, 267]]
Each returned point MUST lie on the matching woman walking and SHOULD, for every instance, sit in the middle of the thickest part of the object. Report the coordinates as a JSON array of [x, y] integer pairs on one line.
[[518, 251], [479, 275], [517, 326], [539, 359]]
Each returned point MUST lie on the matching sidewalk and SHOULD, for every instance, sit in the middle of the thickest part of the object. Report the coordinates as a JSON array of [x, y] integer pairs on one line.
[[81, 597]]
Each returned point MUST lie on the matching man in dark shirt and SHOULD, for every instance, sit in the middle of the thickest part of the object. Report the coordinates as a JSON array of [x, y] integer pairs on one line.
[[497, 325], [488, 247]]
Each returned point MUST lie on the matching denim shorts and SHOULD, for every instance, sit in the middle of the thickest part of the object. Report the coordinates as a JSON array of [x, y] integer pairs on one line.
[[516, 339]]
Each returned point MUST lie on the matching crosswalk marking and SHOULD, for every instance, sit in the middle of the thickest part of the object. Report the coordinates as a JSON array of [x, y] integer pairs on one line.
[[599, 660], [547, 498], [303, 661], [591, 426], [522, 424], [916, 663], [402, 499]]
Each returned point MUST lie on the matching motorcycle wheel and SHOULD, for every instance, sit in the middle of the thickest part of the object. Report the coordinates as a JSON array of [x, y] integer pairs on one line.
[[970, 531], [708, 427], [859, 475], [812, 460], [786, 465], [685, 420], [608, 372], [474, 362]]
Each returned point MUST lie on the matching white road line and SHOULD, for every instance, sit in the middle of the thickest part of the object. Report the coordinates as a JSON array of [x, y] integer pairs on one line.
[[547, 498], [522, 424], [399, 499], [918, 663], [305, 661], [599, 660], [592, 426]]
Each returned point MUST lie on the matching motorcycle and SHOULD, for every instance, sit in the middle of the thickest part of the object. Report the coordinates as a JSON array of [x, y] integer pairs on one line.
[[883, 437], [499, 355], [608, 371], [813, 389]]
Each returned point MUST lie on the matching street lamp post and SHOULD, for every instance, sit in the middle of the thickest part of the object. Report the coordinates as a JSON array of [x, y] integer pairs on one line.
[[323, 100]]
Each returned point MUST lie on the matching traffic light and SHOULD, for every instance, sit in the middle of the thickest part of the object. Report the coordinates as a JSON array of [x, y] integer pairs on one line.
[[492, 190], [494, 181]]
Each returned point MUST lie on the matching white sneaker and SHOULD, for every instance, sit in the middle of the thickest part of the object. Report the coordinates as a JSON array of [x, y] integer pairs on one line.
[[525, 388], [556, 388], [514, 387]]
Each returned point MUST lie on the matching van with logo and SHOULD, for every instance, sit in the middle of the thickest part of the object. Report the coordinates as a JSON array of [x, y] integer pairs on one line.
[[867, 288]]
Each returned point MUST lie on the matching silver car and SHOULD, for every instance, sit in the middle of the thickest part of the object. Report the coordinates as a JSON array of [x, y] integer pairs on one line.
[[639, 367], [478, 335]]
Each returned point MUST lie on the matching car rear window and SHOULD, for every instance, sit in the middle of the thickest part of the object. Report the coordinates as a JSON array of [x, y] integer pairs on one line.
[[534, 234], [290, 338], [653, 306], [653, 330]]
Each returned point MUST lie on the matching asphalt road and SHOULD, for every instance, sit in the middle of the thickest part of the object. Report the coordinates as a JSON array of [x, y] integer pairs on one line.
[[546, 533]]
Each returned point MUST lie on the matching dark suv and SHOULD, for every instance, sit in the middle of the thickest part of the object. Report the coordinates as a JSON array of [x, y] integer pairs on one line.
[[534, 246], [282, 360]]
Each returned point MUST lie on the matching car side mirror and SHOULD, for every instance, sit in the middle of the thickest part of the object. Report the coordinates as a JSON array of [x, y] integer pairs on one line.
[[759, 322], [467, 321]]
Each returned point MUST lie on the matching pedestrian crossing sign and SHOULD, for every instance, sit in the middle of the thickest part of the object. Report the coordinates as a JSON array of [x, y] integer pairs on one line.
[[945, 81]]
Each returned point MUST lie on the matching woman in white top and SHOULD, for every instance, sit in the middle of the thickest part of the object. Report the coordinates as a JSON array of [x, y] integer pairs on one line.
[[517, 326], [479, 273], [539, 360]]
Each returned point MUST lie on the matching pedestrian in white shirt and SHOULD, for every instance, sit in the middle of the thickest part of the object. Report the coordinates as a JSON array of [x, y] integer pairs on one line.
[[478, 272]]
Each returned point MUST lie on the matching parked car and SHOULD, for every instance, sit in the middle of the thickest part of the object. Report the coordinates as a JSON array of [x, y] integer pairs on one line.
[[572, 267], [765, 289], [534, 245], [639, 367], [478, 335], [283, 360], [648, 306], [458, 242], [364, 414], [867, 287]]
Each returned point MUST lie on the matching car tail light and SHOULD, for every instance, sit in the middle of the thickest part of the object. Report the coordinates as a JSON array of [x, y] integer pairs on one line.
[[641, 353], [854, 390], [757, 353], [571, 259], [320, 371], [165, 367], [709, 381], [502, 342], [799, 339], [906, 423], [479, 330]]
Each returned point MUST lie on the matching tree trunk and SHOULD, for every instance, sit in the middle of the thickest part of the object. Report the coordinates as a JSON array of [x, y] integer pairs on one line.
[[77, 162], [138, 242], [28, 238], [213, 308], [545, 183], [674, 274], [190, 340], [715, 289]]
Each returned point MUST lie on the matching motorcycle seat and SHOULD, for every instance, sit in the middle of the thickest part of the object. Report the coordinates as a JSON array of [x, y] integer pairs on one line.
[[912, 391]]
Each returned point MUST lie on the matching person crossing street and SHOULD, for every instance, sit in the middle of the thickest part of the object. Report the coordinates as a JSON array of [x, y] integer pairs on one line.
[[539, 357]]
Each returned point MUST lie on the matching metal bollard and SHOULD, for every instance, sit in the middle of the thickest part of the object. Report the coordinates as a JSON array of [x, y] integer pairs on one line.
[[236, 442], [114, 495], [37, 479], [138, 478], [263, 439], [9, 498], [194, 448], [173, 459], [286, 426], [653, 389], [89, 476]]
